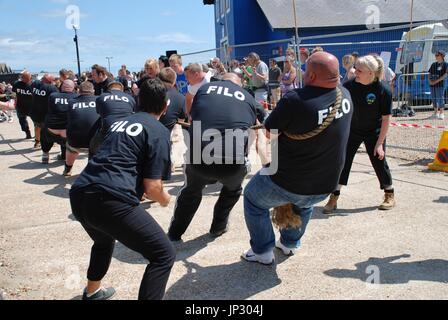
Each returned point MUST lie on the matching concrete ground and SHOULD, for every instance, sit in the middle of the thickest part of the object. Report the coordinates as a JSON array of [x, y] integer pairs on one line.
[[44, 252]]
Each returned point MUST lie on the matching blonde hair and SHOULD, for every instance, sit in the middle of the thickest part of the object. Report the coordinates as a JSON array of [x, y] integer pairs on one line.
[[154, 63], [176, 59], [374, 63], [348, 60]]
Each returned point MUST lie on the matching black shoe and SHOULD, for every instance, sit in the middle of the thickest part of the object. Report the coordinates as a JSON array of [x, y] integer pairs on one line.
[[28, 135], [61, 157], [103, 294], [218, 233], [174, 239]]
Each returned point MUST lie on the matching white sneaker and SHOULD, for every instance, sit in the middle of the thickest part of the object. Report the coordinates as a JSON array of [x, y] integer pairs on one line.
[[442, 116], [286, 251], [11, 120], [265, 258]]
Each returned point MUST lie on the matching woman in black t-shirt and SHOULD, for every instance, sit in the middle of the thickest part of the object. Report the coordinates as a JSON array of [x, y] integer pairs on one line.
[[372, 100], [437, 75]]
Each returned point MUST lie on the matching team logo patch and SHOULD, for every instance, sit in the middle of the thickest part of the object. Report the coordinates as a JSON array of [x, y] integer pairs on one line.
[[371, 98]]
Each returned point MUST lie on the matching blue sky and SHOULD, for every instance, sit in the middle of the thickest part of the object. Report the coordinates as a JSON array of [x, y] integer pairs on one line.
[[33, 34]]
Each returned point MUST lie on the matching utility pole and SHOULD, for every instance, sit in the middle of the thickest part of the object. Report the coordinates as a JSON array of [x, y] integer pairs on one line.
[[108, 60], [77, 53], [296, 48]]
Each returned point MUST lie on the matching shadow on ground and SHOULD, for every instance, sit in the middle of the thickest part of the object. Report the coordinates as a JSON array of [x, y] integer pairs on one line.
[[237, 281], [390, 272]]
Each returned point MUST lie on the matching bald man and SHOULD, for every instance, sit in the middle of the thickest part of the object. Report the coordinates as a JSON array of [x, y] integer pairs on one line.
[[312, 125], [41, 96], [24, 101]]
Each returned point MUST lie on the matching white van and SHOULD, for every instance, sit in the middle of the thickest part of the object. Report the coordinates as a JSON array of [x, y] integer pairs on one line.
[[426, 40]]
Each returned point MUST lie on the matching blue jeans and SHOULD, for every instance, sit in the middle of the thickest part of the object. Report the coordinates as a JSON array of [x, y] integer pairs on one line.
[[261, 195], [438, 97]]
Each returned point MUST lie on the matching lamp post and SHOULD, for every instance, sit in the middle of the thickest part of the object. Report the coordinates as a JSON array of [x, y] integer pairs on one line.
[[77, 53], [108, 60]]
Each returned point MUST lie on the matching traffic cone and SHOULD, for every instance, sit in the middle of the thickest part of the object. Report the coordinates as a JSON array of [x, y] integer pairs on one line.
[[441, 161]]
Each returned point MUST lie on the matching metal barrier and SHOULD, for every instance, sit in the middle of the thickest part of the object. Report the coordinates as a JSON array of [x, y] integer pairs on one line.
[[413, 90]]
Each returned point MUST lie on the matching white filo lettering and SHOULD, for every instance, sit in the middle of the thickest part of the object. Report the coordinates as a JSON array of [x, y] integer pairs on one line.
[[84, 105], [226, 92], [132, 130], [61, 101], [345, 109], [115, 98]]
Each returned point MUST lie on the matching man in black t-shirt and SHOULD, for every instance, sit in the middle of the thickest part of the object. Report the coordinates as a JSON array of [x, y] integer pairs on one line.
[[83, 123], [437, 75], [55, 129], [134, 159], [222, 114], [111, 106], [24, 101], [41, 95], [100, 78], [176, 101], [312, 125]]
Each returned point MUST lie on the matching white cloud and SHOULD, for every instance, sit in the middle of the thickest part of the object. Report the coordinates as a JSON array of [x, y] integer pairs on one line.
[[176, 37]]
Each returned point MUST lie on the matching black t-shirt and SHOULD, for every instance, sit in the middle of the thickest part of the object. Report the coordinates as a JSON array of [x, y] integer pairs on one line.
[[221, 106], [101, 88], [57, 110], [140, 82], [136, 148], [41, 96], [176, 109], [127, 84], [437, 71], [313, 166], [371, 103], [24, 94], [274, 75], [114, 106], [82, 121]]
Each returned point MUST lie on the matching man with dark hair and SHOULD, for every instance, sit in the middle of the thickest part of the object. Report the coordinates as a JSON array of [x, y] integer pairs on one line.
[[222, 114], [24, 101], [100, 79], [105, 199], [83, 123]]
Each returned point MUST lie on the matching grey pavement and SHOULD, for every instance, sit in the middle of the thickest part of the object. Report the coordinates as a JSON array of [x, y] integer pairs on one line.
[[358, 253]]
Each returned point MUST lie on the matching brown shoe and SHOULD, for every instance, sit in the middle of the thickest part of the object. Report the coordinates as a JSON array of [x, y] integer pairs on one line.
[[389, 202], [332, 205]]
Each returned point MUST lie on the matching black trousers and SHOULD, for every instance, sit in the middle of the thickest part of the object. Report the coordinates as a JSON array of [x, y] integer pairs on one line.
[[23, 122], [48, 139], [106, 219], [381, 167], [197, 177]]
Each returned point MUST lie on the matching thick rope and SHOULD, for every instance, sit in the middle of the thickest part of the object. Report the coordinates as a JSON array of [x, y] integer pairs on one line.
[[328, 121]]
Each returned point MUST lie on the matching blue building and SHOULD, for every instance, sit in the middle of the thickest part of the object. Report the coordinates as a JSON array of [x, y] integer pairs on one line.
[[376, 23]]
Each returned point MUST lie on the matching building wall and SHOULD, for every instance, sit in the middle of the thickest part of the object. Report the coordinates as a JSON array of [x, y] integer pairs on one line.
[[246, 23]]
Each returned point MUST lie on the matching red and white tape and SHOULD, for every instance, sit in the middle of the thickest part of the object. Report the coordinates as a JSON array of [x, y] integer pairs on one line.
[[417, 126]]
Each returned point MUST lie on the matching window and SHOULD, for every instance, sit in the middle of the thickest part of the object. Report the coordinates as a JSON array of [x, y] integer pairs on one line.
[[440, 45], [412, 52]]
